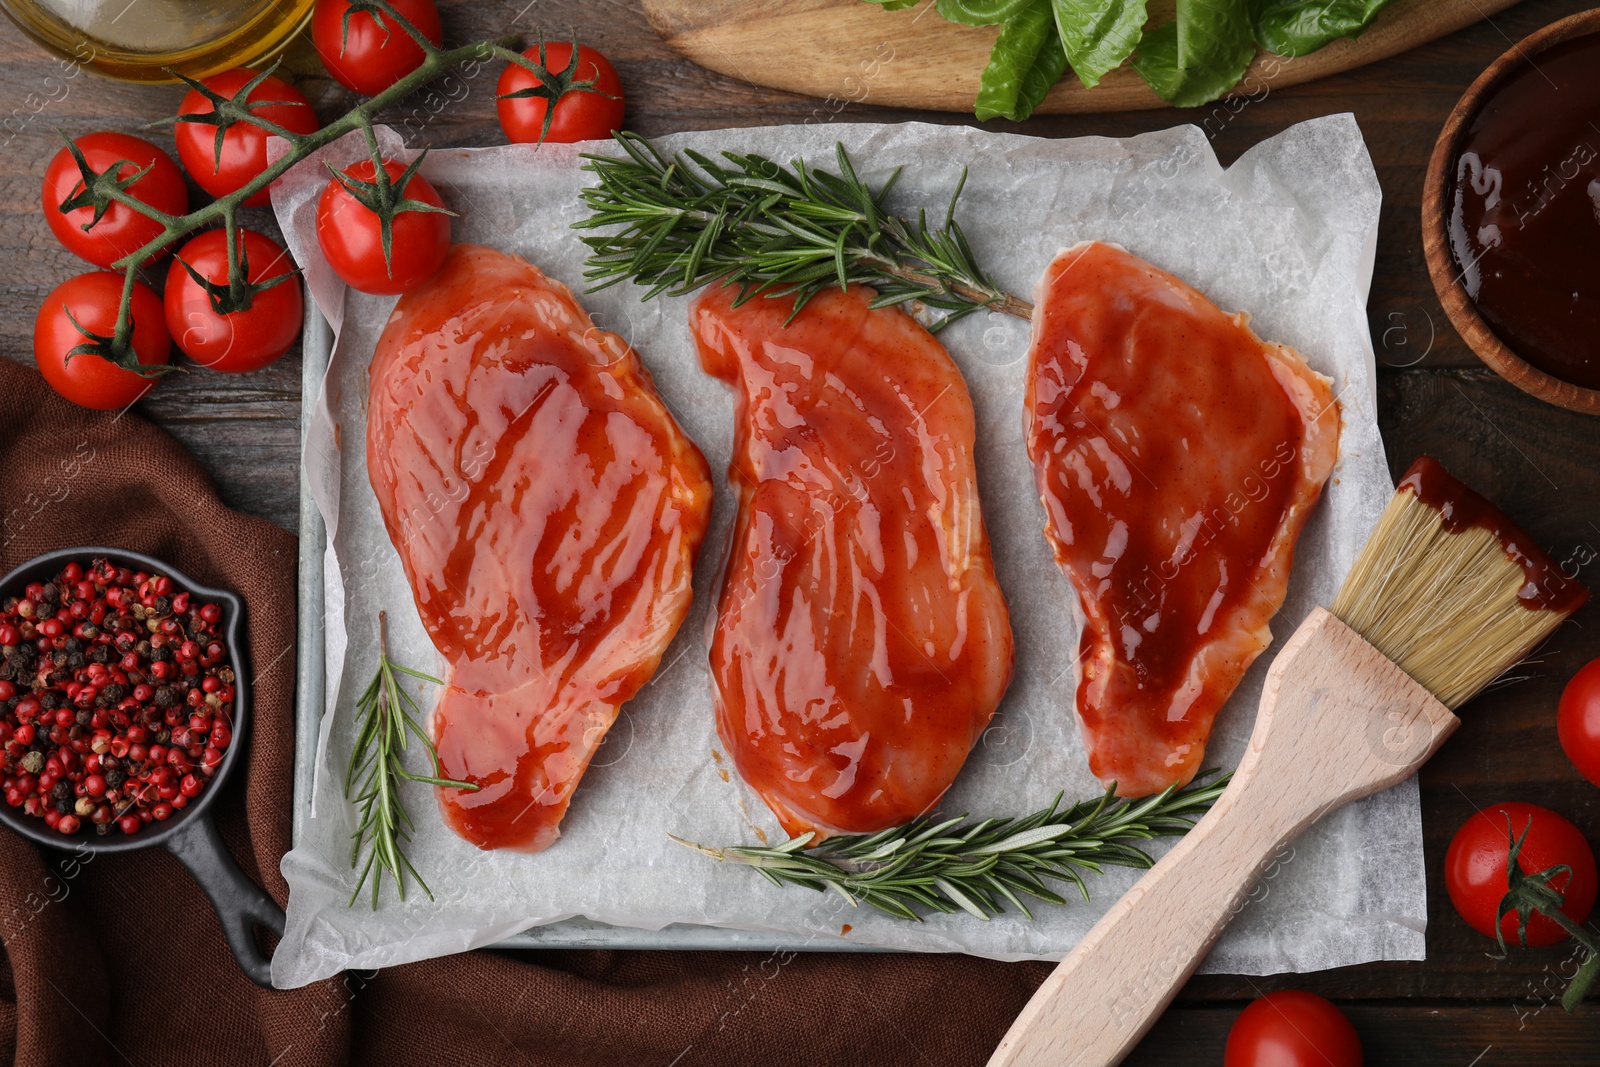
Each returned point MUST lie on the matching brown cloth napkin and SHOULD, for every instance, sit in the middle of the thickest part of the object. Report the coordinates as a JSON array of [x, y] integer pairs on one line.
[[121, 961]]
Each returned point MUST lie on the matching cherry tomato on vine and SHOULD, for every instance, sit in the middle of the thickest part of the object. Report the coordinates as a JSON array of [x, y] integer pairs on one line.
[[1475, 868], [244, 146], [586, 96], [121, 229], [234, 341], [1292, 1028], [365, 56], [90, 380], [1578, 721], [351, 234]]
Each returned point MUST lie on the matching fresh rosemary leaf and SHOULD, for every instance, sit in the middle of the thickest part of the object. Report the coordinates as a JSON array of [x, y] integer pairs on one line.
[[387, 714], [772, 230], [950, 864]]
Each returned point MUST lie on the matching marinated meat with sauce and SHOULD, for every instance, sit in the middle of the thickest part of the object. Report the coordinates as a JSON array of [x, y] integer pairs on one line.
[[1177, 456], [862, 642], [547, 509]]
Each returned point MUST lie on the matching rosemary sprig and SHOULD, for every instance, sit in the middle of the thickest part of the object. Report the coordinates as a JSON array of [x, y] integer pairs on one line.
[[948, 864], [773, 230], [387, 713]]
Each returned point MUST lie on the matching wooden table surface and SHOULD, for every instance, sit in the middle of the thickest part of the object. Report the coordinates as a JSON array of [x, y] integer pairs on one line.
[[1541, 464]]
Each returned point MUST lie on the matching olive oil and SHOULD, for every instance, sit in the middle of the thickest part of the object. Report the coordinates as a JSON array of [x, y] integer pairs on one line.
[[142, 40]]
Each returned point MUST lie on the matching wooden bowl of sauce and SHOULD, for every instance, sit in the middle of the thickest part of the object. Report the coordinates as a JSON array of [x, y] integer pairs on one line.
[[1511, 214]]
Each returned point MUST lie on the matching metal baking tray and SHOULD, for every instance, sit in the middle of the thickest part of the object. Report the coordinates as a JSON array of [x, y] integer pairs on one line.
[[310, 694]]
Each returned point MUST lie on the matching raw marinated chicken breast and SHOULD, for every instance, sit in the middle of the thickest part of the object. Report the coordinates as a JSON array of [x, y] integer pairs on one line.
[[1177, 456], [861, 642], [547, 510]]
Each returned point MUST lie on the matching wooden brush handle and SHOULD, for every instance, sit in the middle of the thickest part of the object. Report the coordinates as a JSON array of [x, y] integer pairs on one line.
[[1337, 721]]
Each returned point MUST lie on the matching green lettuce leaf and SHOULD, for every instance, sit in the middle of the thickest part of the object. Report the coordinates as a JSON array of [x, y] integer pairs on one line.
[[981, 12], [1026, 61], [1098, 34], [1199, 55], [1300, 27]]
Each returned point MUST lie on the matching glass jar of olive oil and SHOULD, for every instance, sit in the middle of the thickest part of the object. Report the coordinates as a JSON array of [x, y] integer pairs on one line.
[[139, 40]]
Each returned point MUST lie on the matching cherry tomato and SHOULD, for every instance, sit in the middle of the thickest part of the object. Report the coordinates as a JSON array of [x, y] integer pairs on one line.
[[1292, 1028], [366, 57], [90, 380], [239, 340], [121, 229], [581, 114], [244, 147], [352, 239], [1475, 868], [1578, 721]]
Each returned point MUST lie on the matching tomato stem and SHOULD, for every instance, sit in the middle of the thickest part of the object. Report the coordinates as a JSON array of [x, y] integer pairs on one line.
[[1588, 970], [1581, 982], [1530, 894], [122, 336]]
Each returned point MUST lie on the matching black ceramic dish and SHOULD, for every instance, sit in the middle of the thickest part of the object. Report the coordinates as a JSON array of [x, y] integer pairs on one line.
[[191, 834]]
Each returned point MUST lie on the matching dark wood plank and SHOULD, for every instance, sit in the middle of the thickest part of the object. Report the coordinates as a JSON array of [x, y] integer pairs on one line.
[[246, 428]]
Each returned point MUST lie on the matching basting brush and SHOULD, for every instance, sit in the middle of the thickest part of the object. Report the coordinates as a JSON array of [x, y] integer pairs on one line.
[[1446, 594]]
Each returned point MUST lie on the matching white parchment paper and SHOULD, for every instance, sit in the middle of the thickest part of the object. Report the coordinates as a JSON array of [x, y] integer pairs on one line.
[[1287, 233]]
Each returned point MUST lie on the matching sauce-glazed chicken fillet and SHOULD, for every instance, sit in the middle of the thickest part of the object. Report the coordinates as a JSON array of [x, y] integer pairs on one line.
[[548, 511], [861, 642], [1178, 456]]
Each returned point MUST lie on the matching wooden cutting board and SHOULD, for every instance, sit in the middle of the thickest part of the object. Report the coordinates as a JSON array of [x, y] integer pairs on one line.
[[847, 51]]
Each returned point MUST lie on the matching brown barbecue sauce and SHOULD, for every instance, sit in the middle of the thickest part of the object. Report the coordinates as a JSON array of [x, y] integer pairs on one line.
[[1524, 203], [1460, 508]]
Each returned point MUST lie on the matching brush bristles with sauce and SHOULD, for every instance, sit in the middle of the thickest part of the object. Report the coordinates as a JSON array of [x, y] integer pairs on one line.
[[1451, 590]]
